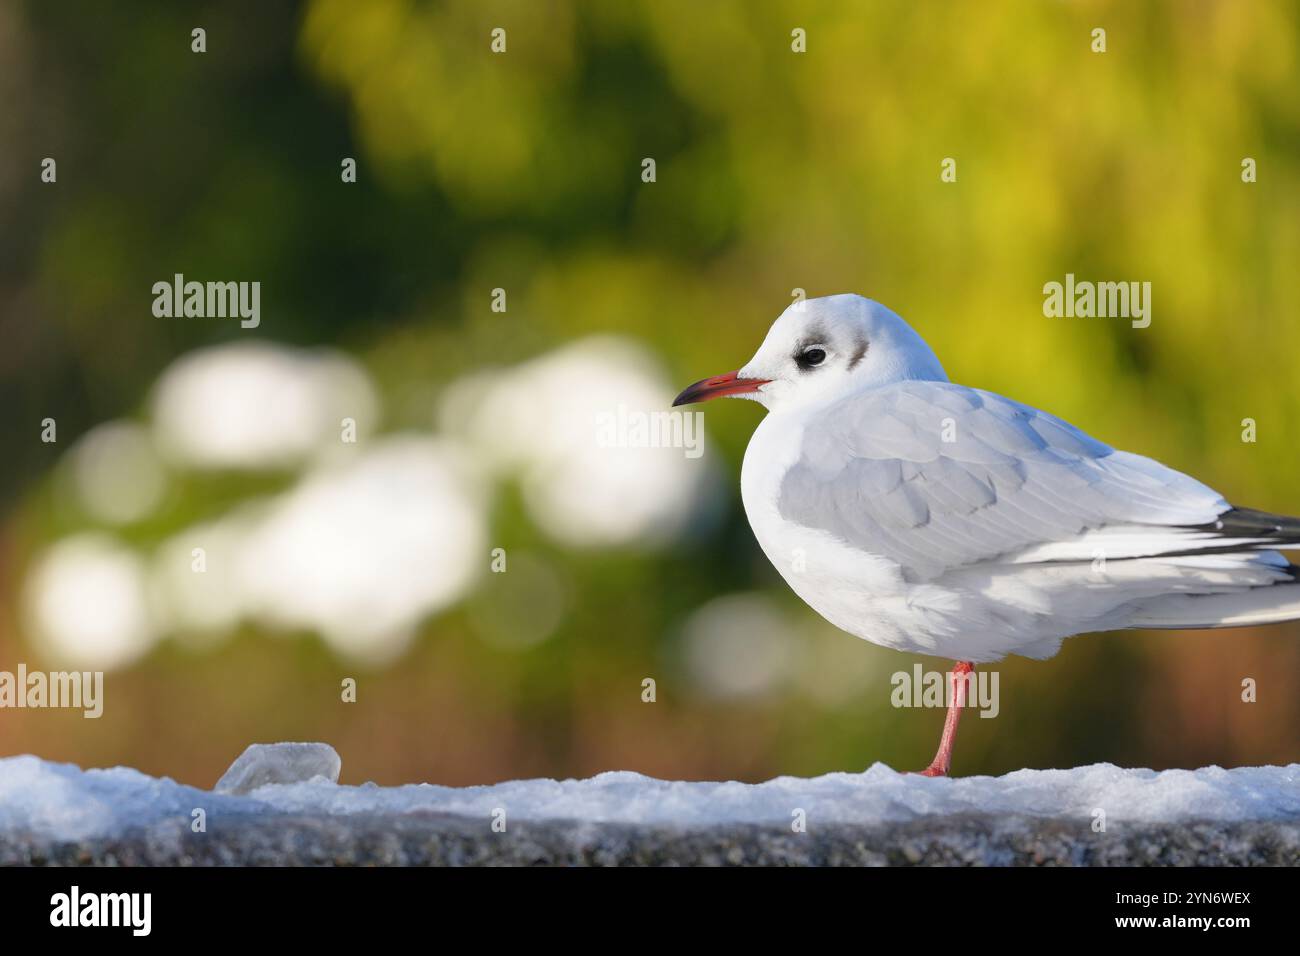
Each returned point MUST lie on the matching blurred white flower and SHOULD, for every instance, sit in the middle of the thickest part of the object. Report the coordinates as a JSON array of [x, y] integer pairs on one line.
[[368, 543], [202, 606], [86, 603], [115, 473], [257, 405], [361, 550], [542, 420]]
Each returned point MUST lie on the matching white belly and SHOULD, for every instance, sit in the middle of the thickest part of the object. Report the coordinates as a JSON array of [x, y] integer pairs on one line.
[[866, 594]]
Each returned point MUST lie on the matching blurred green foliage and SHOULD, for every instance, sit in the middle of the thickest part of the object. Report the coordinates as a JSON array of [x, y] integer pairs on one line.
[[775, 171]]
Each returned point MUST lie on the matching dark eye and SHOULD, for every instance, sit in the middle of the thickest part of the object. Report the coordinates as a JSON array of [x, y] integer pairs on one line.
[[811, 357]]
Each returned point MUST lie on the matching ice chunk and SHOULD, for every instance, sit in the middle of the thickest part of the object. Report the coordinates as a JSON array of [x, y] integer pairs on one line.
[[261, 764]]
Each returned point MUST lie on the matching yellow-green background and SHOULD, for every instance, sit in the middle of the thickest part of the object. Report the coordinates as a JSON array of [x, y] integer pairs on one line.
[[775, 170]]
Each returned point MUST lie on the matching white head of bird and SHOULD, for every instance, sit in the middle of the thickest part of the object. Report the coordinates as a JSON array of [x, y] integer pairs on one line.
[[819, 350]]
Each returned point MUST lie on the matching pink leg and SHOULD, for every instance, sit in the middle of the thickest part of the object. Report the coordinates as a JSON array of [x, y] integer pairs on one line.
[[943, 758]]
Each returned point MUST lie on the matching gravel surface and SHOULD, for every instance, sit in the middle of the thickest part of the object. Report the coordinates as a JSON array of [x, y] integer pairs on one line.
[[443, 839]]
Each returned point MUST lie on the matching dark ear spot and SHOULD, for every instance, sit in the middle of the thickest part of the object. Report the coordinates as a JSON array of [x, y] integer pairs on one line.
[[859, 350]]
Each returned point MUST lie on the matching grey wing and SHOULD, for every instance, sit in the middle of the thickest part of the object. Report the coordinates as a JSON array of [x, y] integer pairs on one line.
[[936, 476]]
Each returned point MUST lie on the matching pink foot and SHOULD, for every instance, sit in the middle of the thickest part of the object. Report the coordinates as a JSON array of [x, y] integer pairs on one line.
[[943, 758]]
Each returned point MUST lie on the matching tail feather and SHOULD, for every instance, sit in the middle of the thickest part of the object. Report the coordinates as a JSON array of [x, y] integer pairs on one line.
[[1261, 605], [1268, 604]]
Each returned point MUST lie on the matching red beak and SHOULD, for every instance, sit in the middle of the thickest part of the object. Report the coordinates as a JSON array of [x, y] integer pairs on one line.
[[720, 386]]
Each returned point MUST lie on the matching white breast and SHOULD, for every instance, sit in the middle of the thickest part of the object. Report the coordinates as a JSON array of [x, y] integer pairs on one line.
[[858, 592]]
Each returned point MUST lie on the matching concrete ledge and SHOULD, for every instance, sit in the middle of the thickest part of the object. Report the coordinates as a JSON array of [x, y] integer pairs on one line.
[[416, 839], [281, 804]]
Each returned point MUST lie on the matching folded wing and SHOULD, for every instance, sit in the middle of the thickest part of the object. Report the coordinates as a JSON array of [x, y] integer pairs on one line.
[[936, 476]]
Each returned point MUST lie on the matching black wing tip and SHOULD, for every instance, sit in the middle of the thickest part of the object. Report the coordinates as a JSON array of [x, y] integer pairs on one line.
[[1247, 522], [1261, 528]]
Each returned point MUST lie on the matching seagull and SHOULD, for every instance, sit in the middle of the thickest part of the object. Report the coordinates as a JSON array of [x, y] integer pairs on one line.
[[935, 518]]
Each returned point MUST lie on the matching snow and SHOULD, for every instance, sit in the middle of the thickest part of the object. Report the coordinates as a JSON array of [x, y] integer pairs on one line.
[[61, 801]]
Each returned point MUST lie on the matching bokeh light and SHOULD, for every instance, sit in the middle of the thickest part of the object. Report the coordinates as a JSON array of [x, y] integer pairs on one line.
[[257, 405], [88, 605]]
